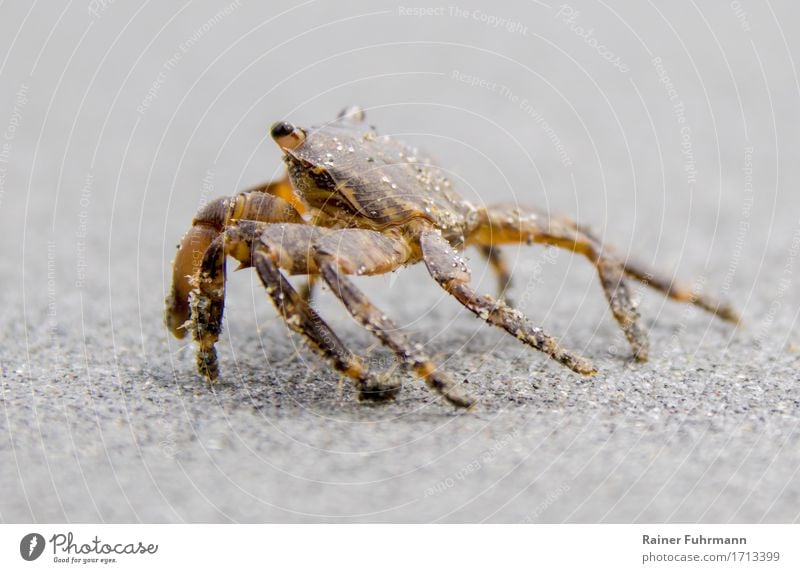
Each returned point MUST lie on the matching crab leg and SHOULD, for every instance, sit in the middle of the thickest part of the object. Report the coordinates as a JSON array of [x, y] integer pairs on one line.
[[618, 293], [256, 205], [206, 226], [206, 305], [356, 251], [451, 272], [509, 224], [680, 292], [265, 247], [500, 267], [674, 290], [308, 288]]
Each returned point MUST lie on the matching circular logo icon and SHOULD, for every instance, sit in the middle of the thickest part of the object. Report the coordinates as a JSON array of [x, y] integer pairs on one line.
[[31, 546]]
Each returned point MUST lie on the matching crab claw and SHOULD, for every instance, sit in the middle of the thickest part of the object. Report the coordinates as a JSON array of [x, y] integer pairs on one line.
[[286, 135]]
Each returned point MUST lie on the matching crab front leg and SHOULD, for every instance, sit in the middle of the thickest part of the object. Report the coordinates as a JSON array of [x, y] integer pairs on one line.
[[206, 305], [451, 272], [206, 226], [363, 252], [263, 204], [268, 248], [201, 262]]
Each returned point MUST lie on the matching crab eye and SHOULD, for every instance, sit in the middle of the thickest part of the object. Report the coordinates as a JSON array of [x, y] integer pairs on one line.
[[281, 129], [286, 135]]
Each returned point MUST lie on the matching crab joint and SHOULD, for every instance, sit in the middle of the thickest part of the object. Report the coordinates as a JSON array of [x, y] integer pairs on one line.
[[286, 135]]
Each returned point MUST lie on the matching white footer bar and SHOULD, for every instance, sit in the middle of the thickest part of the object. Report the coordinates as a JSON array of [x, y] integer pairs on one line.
[[406, 548]]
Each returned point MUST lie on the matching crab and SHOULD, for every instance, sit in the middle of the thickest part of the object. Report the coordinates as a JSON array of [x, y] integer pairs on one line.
[[357, 203]]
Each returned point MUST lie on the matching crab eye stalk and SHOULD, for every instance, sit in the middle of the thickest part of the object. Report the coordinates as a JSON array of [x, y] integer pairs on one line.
[[286, 135], [353, 114]]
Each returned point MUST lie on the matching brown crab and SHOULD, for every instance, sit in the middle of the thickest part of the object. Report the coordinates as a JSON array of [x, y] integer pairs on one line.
[[356, 203]]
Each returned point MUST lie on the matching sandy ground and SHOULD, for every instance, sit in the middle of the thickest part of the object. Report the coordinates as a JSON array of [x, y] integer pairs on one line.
[[671, 130]]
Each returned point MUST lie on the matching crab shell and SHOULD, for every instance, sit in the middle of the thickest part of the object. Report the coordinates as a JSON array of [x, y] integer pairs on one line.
[[346, 165]]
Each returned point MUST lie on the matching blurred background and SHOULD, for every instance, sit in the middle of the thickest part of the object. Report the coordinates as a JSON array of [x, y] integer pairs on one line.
[[671, 128]]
